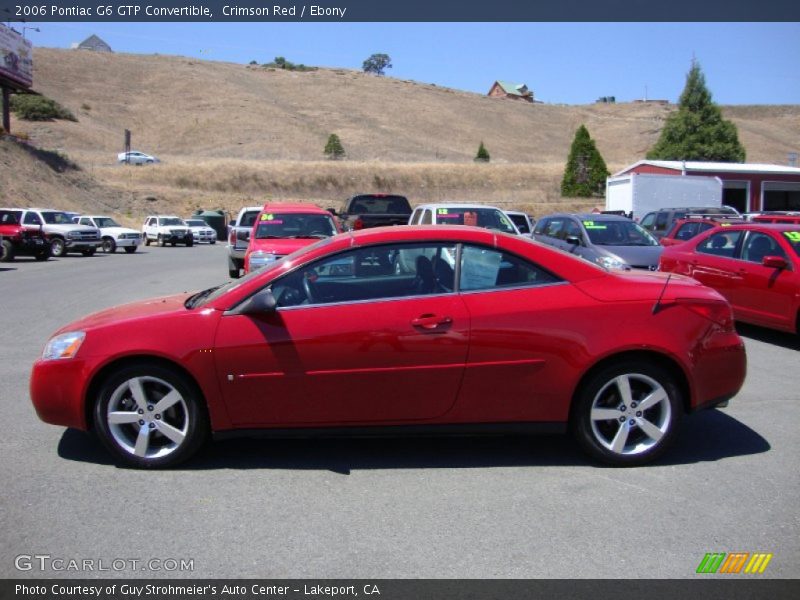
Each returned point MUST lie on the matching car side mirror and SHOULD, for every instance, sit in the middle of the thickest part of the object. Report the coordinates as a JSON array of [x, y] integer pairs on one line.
[[774, 262], [573, 240], [263, 302]]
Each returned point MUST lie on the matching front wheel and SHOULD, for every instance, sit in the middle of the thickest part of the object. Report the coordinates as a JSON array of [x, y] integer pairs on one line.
[[189, 244], [88, 251], [58, 247], [109, 245], [150, 416], [161, 241], [627, 414], [146, 241], [130, 249]]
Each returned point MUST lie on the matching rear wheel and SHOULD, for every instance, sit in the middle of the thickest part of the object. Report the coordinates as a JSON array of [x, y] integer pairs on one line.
[[58, 247], [6, 251], [150, 416], [109, 245], [146, 241], [627, 413]]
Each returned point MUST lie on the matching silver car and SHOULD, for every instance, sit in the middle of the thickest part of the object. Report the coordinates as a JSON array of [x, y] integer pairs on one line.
[[609, 240], [135, 157]]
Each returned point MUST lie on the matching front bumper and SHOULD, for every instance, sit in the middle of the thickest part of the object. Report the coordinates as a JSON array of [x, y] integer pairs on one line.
[[82, 244], [57, 391]]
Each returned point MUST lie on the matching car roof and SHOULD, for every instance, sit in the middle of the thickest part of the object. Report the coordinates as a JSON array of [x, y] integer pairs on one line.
[[456, 205], [589, 217], [762, 226], [294, 207]]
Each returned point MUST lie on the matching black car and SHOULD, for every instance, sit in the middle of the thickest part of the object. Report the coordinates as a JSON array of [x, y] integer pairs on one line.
[[659, 222]]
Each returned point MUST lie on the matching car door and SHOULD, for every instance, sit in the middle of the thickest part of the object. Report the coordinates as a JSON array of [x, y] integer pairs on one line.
[[714, 263], [520, 341], [765, 295], [368, 335]]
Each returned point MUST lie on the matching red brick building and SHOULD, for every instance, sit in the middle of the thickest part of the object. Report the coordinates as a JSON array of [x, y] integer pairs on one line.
[[745, 186]]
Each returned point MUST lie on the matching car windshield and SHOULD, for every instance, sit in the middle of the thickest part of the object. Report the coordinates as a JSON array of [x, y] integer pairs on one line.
[[294, 225], [10, 217], [106, 222], [57, 218], [195, 222], [618, 233], [793, 238], [380, 205], [211, 294], [490, 218], [172, 221]]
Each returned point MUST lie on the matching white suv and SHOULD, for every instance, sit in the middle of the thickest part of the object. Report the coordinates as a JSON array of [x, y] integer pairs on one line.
[[477, 215], [112, 233], [166, 229]]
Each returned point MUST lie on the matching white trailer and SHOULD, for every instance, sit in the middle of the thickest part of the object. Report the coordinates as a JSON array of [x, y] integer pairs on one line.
[[638, 194]]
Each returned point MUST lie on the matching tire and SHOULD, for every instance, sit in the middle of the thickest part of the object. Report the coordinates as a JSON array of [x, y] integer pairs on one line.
[[88, 251], [43, 255], [146, 241], [161, 241], [130, 249], [618, 432], [212, 242], [58, 247], [6, 251], [172, 244], [172, 433], [190, 243], [109, 245]]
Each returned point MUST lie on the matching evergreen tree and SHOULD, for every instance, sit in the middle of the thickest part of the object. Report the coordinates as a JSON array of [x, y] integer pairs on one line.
[[483, 154], [334, 149], [697, 130], [586, 171]]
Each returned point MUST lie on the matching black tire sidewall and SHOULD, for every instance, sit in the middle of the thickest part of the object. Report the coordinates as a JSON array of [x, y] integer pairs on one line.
[[581, 422], [7, 251], [198, 419]]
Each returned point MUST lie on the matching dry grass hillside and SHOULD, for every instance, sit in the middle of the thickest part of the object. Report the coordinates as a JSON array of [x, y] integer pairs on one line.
[[230, 133]]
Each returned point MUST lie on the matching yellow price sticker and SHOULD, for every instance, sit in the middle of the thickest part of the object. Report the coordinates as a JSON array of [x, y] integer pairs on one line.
[[267, 217], [442, 211], [794, 236]]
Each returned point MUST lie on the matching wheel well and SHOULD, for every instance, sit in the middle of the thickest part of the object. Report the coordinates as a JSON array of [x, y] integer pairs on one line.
[[661, 360], [100, 377]]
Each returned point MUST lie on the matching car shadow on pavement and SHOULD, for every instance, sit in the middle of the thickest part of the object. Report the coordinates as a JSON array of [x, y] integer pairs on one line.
[[769, 336], [707, 436]]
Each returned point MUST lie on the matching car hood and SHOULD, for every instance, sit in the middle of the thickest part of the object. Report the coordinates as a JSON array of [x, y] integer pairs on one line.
[[621, 286], [633, 255], [68, 228], [280, 246], [117, 230], [130, 312]]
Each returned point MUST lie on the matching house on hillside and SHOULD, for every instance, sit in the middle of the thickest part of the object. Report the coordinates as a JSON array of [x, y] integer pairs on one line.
[[515, 91], [94, 43]]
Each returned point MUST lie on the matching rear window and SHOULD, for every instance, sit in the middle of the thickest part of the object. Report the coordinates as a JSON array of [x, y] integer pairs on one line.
[[249, 218], [378, 204]]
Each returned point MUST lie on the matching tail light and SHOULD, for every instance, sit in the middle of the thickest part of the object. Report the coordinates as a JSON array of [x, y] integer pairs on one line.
[[232, 237], [358, 224], [713, 310]]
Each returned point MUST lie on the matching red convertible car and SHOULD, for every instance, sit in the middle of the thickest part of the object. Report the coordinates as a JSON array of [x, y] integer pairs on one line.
[[400, 330], [756, 266]]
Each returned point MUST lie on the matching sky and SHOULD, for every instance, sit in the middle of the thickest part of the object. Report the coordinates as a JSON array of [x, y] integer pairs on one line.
[[563, 63]]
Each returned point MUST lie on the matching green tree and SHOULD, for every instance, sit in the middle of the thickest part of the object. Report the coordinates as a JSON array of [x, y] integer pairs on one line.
[[697, 131], [483, 154], [586, 171], [334, 149], [377, 64]]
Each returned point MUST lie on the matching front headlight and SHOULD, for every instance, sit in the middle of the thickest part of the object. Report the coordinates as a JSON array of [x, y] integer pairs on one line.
[[63, 346], [610, 262]]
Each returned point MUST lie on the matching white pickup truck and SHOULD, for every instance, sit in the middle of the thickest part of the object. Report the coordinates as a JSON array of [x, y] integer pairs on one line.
[[239, 237]]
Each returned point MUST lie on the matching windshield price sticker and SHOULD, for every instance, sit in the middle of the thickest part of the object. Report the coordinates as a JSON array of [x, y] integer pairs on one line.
[[592, 225], [442, 211], [794, 236], [267, 217]]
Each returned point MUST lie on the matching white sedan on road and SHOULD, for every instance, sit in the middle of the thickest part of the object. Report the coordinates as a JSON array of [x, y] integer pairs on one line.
[[135, 157]]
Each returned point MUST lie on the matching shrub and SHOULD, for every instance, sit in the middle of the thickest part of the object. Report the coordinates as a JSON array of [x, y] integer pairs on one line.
[[334, 149], [483, 154], [39, 108], [281, 63]]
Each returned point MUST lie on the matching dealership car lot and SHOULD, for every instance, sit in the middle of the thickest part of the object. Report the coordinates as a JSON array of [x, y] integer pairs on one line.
[[436, 507]]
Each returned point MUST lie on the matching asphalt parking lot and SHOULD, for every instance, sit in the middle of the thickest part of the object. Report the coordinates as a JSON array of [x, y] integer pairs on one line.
[[513, 507]]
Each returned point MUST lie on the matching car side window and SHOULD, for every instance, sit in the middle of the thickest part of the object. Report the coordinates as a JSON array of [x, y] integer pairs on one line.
[[686, 231], [541, 225], [372, 273], [415, 217], [757, 245], [662, 219], [427, 217], [32, 219], [571, 228], [85, 221], [720, 244], [647, 220], [553, 227], [487, 269]]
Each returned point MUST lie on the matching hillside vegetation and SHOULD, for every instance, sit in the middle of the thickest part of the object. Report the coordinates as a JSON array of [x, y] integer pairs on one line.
[[230, 133]]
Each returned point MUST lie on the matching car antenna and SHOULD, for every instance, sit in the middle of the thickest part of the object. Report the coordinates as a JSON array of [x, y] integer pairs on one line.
[[657, 305]]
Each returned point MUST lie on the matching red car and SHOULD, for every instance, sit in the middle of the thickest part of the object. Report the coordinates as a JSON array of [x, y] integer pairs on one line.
[[18, 240], [282, 228], [401, 329], [685, 229], [756, 266]]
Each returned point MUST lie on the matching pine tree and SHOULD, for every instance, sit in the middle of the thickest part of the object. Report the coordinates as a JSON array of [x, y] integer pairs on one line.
[[586, 171], [697, 130], [483, 154], [334, 149]]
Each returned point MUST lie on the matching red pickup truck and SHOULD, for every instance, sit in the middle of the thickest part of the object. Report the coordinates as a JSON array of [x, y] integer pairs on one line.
[[17, 240]]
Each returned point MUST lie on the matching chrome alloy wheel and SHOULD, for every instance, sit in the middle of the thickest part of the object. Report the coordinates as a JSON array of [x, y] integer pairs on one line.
[[630, 414], [148, 417]]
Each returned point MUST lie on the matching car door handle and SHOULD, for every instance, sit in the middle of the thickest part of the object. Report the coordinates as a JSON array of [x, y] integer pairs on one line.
[[430, 322]]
